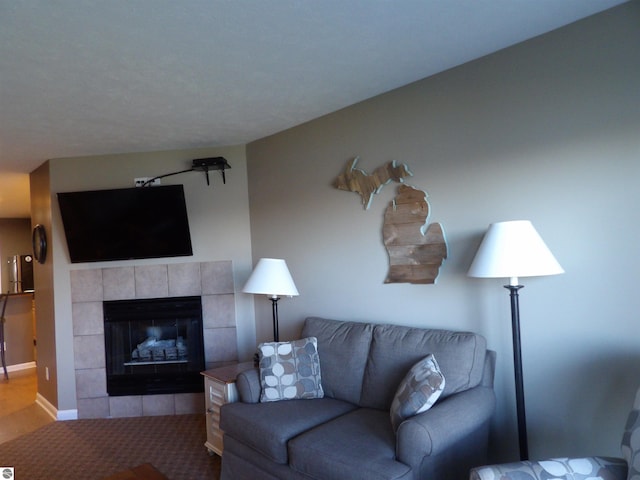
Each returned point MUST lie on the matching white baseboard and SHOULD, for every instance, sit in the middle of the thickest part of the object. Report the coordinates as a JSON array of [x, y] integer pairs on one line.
[[21, 366], [71, 414], [54, 412], [46, 405]]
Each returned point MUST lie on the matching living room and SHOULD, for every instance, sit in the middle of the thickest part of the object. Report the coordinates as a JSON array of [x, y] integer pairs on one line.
[[546, 130]]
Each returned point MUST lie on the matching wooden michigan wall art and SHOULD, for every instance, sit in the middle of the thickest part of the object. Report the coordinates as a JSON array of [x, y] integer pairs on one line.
[[353, 179], [416, 250]]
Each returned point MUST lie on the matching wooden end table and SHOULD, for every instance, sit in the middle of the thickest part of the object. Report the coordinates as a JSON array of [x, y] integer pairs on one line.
[[220, 388]]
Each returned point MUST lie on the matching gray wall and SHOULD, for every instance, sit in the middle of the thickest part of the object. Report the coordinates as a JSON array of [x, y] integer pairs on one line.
[[546, 131]]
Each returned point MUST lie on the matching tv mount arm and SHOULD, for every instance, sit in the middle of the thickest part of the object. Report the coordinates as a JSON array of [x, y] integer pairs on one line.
[[200, 164]]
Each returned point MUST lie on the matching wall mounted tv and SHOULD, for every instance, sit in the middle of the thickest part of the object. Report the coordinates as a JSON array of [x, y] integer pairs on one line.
[[125, 224]]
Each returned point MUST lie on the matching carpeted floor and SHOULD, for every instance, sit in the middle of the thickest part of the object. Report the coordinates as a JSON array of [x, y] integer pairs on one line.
[[95, 449]]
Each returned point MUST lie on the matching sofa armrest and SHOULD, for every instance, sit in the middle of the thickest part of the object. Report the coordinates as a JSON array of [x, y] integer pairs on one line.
[[444, 425], [593, 468], [248, 385], [488, 375]]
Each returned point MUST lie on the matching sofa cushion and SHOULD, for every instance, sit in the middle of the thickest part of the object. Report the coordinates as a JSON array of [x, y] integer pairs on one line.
[[418, 391], [394, 349], [359, 446], [290, 370], [239, 462], [343, 348], [267, 427]]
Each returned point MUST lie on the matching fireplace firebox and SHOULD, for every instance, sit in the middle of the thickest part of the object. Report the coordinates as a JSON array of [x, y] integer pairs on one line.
[[154, 346]]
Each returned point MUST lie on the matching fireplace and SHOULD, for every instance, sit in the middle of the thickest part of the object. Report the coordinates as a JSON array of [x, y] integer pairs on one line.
[[154, 346], [91, 287]]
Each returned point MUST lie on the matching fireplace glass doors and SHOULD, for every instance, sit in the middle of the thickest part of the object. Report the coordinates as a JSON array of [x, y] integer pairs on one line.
[[154, 346]]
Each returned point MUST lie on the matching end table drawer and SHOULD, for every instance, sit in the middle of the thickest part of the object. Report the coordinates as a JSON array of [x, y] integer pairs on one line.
[[214, 414], [216, 393]]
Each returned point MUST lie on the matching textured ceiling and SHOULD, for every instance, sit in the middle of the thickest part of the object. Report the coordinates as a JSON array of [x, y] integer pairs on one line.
[[88, 77]]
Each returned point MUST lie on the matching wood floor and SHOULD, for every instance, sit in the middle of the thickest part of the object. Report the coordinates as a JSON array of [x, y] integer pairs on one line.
[[19, 414]]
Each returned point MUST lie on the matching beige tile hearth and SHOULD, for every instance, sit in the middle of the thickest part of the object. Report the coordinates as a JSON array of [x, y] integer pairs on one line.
[[213, 281], [126, 406], [217, 278], [86, 286], [87, 350], [119, 283], [158, 405], [93, 407], [91, 383], [151, 281], [218, 311], [87, 318], [184, 279]]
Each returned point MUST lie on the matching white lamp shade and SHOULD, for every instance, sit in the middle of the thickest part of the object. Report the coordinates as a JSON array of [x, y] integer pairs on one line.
[[513, 249], [271, 277]]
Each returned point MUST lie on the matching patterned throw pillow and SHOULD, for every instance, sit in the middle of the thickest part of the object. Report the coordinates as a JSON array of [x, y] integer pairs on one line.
[[418, 391], [290, 370], [590, 468], [631, 441]]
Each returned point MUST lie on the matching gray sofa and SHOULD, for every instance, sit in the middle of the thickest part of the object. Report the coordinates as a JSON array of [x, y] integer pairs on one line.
[[347, 435]]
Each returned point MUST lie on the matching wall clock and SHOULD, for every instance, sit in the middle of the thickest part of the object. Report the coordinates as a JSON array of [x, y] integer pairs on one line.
[[39, 241]]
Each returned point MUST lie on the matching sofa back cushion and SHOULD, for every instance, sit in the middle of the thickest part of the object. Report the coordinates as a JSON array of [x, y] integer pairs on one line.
[[343, 348], [395, 349]]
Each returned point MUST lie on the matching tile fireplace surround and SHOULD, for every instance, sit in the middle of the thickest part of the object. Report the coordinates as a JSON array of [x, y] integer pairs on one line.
[[89, 288]]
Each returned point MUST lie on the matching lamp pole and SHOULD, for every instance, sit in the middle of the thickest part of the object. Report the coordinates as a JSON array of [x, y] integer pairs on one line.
[[514, 249], [274, 311], [517, 364]]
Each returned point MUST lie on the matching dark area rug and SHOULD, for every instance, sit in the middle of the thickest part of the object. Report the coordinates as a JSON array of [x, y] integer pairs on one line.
[[95, 449]]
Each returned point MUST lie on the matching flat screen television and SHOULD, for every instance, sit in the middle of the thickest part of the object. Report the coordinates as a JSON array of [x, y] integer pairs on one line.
[[126, 223]]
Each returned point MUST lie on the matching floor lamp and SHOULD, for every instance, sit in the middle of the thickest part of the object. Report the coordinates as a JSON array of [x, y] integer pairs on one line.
[[271, 277], [511, 250]]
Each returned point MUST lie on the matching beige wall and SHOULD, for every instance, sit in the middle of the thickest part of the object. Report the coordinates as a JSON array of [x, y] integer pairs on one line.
[[218, 219], [43, 284], [545, 131], [19, 331]]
